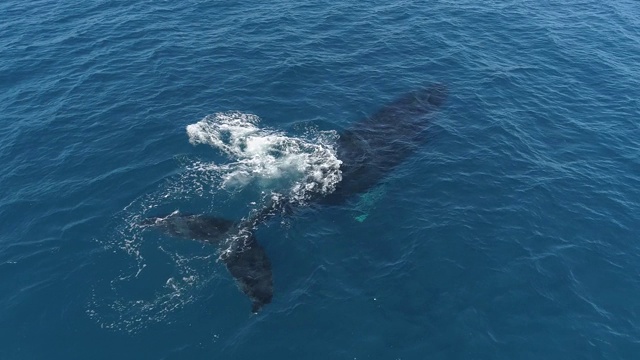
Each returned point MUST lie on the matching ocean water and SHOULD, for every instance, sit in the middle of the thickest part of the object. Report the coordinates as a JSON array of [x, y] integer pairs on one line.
[[513, 233]]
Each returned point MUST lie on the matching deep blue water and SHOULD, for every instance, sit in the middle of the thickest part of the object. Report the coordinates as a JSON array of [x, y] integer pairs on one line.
[[512, 234]]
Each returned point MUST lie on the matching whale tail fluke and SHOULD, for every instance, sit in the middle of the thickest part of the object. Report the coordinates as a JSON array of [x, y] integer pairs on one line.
[[245, 259]]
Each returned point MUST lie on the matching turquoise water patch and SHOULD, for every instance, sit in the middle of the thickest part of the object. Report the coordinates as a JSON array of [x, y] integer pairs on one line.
[[368, 201]]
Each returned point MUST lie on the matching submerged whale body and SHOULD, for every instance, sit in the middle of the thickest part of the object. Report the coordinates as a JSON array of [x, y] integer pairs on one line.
[[369, 150]]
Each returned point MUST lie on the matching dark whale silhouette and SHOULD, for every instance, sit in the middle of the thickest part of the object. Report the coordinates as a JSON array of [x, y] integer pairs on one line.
[[369, 150]]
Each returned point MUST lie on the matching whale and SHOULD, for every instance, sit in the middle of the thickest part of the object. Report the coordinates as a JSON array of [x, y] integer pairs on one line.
[[369, 149]]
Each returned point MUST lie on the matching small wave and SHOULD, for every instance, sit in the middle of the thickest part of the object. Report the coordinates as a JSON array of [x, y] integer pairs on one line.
[[296, 167]]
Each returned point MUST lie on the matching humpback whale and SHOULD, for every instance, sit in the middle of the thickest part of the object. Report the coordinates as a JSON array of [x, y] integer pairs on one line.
[[369, 149]]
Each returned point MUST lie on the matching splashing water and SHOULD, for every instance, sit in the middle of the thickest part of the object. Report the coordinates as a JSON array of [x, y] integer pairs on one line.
[[296, 167]]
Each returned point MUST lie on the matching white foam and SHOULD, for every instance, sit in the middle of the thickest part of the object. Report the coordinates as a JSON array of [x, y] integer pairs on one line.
[[297, 167]]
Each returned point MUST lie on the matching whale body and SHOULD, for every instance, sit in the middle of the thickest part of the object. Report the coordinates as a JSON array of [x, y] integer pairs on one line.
[[369, 150]]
